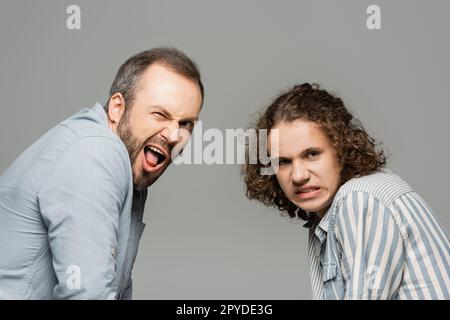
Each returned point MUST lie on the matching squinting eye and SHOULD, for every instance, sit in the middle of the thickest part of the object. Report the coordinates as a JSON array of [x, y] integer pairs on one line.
[[283, 162], [159, 115]]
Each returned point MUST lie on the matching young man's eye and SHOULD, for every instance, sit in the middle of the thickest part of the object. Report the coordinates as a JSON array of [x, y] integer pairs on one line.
[[283, 162], [312, 154]]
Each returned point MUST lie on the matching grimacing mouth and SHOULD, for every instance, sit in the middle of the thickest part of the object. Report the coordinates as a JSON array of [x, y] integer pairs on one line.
[[307, 189], [160, 153]]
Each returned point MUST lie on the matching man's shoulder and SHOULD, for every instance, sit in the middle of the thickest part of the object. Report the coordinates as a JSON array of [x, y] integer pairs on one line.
[[89, 158], [383, 185], [87, 133], [83, 139]]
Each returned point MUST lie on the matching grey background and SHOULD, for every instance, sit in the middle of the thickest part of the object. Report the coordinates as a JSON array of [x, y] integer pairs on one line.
[[204, 239]]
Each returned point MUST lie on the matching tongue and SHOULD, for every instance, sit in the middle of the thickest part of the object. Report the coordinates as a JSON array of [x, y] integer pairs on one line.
[[151, 158]]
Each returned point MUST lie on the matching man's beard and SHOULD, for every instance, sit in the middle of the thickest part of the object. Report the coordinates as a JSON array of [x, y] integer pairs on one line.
[[134, 147]]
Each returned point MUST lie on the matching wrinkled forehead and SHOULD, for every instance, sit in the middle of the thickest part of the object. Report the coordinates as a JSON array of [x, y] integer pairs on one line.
[[160, 86], [289, 139]]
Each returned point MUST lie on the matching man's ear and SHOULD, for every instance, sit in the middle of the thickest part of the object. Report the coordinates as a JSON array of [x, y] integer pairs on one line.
[[116, 109]]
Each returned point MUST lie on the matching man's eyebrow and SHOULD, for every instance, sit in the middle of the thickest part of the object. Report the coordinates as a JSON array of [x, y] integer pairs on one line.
[[193, 119], [301, 154], [160, 109], [163, 110]]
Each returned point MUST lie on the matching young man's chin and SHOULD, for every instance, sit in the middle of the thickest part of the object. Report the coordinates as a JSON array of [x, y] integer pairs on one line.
[[311, 207]]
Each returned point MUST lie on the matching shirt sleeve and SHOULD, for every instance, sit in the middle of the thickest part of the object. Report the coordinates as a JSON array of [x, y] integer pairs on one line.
[[80, 205], [372, 248]]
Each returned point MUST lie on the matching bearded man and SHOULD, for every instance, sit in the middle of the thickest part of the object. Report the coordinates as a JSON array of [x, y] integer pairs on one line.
[[71, 205]]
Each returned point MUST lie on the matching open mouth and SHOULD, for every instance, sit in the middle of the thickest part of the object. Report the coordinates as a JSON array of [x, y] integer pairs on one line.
[[154, 156]]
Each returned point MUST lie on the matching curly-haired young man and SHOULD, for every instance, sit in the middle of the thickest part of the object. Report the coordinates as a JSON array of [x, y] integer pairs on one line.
[[371, 236]]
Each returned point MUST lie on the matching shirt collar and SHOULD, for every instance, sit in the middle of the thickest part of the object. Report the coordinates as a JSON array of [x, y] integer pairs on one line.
[[321, 228], [323, 224]]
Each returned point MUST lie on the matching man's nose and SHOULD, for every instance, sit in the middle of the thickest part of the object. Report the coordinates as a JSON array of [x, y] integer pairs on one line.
[[300, 173], [170, 132]]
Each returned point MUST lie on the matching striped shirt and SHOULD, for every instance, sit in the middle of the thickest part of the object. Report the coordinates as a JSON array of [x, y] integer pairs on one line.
[[379, 240]]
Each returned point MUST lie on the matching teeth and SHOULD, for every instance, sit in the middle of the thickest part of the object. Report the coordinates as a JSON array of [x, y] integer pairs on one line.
[[156, 150]]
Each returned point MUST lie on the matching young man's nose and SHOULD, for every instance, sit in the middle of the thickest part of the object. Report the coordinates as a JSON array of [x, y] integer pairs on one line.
[[300, 173]]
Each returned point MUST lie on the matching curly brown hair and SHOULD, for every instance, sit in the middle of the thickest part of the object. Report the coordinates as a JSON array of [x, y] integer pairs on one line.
[[356, 151]]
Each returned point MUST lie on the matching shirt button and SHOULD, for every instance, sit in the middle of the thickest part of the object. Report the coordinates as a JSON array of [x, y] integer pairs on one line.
[[113, 252]]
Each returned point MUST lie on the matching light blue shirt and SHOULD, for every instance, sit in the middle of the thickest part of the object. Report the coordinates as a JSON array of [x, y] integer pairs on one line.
[[379, 240], [70, 221]]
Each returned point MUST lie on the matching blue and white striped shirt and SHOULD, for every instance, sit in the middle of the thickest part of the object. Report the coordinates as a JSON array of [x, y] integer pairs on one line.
[[379, 240]]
